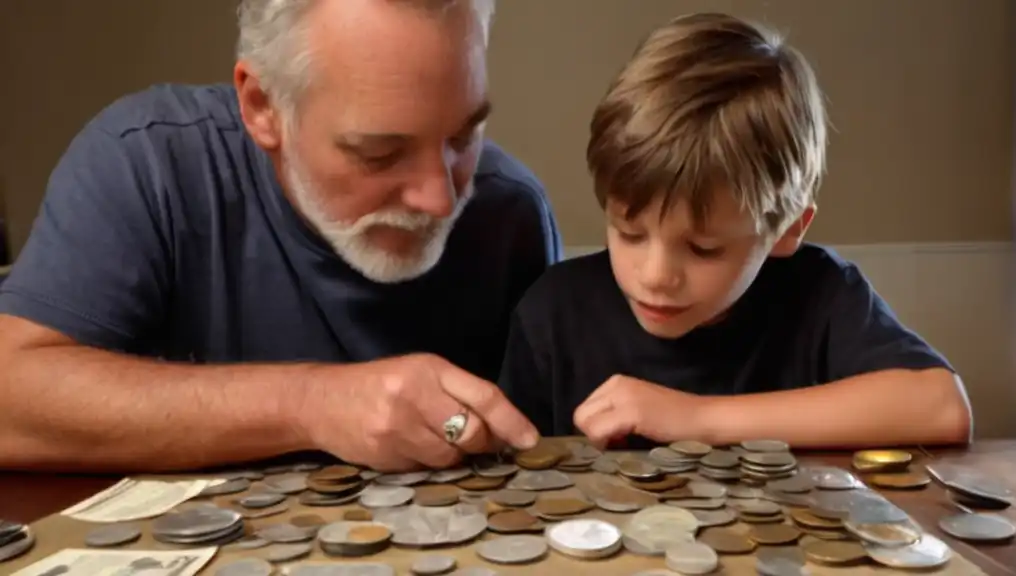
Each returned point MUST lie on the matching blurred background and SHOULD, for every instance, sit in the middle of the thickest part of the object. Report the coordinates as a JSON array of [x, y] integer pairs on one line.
[[920, 94]]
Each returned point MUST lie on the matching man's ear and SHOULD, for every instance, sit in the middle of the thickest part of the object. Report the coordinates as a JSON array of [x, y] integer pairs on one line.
[[791, 240], [259, 114]]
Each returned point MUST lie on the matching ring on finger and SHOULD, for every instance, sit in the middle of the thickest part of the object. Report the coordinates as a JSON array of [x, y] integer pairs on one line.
[[455, 426]]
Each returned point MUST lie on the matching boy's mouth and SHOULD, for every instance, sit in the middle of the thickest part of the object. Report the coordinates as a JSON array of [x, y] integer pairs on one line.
[[658, 312]]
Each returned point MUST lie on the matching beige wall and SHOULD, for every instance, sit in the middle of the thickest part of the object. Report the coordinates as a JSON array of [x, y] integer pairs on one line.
[[920, 93]]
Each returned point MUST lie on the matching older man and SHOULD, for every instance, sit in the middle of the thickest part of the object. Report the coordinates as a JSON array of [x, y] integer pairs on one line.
[[322, 256]]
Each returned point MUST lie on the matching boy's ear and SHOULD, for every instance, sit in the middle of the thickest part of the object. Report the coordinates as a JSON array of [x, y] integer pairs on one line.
[[792, 238]]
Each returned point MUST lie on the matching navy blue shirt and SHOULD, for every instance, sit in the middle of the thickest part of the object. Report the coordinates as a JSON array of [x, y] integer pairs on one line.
[[164, 232], [806, 320]]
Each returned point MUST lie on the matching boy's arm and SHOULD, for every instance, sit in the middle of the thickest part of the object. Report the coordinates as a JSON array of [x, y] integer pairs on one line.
[[523, 379], [887, 386]]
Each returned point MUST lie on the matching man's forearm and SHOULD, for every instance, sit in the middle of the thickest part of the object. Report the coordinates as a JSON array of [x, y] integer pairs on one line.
[[71, 407], [893, 407]]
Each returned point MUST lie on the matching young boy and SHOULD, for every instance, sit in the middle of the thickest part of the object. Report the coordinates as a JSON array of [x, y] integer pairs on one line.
[[707, 317]]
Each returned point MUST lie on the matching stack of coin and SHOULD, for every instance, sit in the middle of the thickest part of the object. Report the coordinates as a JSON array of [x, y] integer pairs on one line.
[[581, 457], [688, 451], [720, 465], [352, 539], [15, 539], [585, 538], [543, 456], [968, 488], [204, 525], [757, 468], [333, 486], [673, 462], [883, 461]]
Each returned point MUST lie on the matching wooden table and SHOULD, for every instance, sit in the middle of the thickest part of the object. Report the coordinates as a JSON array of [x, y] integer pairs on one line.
[[28, 497]]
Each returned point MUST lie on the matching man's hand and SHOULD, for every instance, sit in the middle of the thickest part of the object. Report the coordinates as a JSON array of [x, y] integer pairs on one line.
[[622, 406], [392, 419]]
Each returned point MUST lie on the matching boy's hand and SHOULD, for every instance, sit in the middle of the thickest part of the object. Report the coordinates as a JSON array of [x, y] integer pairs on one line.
[[622, 406]]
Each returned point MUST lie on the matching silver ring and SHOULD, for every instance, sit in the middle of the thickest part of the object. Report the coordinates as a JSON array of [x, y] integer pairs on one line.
[[455, 426]]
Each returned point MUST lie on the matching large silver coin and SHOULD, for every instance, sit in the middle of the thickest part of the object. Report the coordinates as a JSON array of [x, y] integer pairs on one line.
[[196, 521], [585, 538], [450, 475], [233, 486], [832, 478], [260, 500], [428, 526], [386, 496], [979, 527], [513, 549], [928, 552], [17, 543], [654, 529], [433, 565], [407, 479], [289, 483], [540, 480], [875, 511], [692, 558], [245, 567], [353, 569], [112, 535], [710, 518]]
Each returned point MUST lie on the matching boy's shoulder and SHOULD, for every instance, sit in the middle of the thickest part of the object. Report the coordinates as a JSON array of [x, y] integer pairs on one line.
[[570, 282], [812, 266]]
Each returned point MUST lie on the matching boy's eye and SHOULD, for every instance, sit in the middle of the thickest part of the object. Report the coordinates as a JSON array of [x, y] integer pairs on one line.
[[706, 252], [381, 162], [628, 236]]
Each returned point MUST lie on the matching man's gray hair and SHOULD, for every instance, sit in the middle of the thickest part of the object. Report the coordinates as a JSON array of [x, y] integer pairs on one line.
[[273, 40]]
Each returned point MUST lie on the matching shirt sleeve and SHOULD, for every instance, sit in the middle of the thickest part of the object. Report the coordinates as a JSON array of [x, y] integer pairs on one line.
[[865, 336], [96, 265], [524, 379]]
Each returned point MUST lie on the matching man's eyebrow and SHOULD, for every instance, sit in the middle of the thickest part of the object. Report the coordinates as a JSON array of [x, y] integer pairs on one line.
[[479, 117], [357, 141]]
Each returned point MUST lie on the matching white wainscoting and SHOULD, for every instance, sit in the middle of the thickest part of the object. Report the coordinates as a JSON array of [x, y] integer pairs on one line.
[[960, 297]]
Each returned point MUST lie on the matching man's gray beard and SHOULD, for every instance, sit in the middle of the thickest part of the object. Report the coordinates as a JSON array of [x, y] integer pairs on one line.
[[349, 240]]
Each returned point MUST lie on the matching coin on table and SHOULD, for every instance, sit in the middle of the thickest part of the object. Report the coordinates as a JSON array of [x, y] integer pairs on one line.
[[405, 479], [797, 484], [432, 565], [928, 552], [895, 534], [585, 538], [605, 465], [692, 558], [770, 459], [279, 553], [288, 483], [489, 466], [774, 534], [697, 503], [807, 519], [875, 510], [352, 538], [781, 562], [741, 492], [757, 507], [637, 469], [474, 571], [881, 460], [834, 552], [513, 549], [765, 446], [900, 481], [709, 518], [540, 480], [358, 515], [513, 498], [386, 496], [723, 459], [422, 526], [286, 533], [562, 506], [232, 486], [450, 475], [543, 456], [482, 483], [245, 567], [333, 569], [725, 541], [252, 542], [260, 500], [198, 525], [17, 543], [436, 495], [978, 527], [339, 473], [512, 521], [112, 535], [832, 478], [691, 448], [658, 484], [652, 530]]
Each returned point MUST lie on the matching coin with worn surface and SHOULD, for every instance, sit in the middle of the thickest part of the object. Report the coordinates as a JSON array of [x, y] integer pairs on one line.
[[744, 492], [638, 469], [797, 484], [807, 519], [513, 498], [436, 495], [692, 558], [423, 526], [195, 522], [691, 448], [286, 533], [358, 515], [288, 483], [928, 552], [432, 565], [112, 535], [562, 506], [832, 478], [770, 459], [697, 503], [834, 552], [540, 480], [901, 481], [781, 562], [16, 543], [652, 530], [708, 518], [513, 549], [866, 460], [727, 541], [723, 459], [351, 538], [337, 473], [252, 542], [978, 527], [774, 534], [890, 534], [586, 538], [245, 567], [482, 483], [658, 484], [474, 571], [450, 475], [757, 507], [605, 465], [260, 500], [543, 456], [233, 486], [512, 521], [405, 479], [278, 553], [386, 496]]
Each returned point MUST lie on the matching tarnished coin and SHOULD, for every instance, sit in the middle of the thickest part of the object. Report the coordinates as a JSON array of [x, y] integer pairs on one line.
[[196, 525], [698, 503], [482, 483], [16, 543], [834, 552], [285, 533], [543, 456], [432, 565], [978, 527], [809, 520], [901, 481], [652, 530], [279, 553], [112, 535], [288, 483], [512, 521], [353, 539], [232, 486], [726, 541], [638, 469], [386, 496], [893, 535], [422, 526], [245, 567], [540, 480], [797, 484], [708, 518], [406, 479], [338, 474], [745, 492], [436, 495], [691, 448], [875, 510], [722, 459], [513, 498], [831, 478], [692, 558], [757, 507], [699, 489], [513, 549], [928, 552], [585, 538], [605, 465], [774, 534], [562, 506], [450, 475], [259, 500], [781, 562], [765, 446], [252, 542], [770, 459], [659, 483]]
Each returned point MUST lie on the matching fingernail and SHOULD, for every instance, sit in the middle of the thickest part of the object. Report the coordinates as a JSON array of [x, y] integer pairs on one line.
[[530, 440]]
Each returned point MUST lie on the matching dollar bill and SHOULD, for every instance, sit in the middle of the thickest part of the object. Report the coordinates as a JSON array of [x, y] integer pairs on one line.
[[132, 499], [81, 562]]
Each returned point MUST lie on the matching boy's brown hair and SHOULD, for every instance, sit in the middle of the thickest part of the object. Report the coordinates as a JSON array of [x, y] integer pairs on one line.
[[709, 100]]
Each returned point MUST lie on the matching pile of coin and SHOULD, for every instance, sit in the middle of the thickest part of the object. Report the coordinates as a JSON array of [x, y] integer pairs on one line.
[[200, 525], [15, 540]]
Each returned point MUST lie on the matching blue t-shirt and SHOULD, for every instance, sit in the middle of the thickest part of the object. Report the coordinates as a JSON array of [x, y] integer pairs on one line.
[[807, 319], [164, 232]]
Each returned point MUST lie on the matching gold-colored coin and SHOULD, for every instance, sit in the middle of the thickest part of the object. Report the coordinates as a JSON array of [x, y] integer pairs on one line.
[[357, 515], [774, 534], [900, 481], [369, 534], [307, 521], [834, 552], [562, 506], [726, 541], [481, 483], [436, 495], [809, 520], [512, 521], [660, 485], [543, 456], [760, 518], [881, 460], [828, 534], [334, 474]]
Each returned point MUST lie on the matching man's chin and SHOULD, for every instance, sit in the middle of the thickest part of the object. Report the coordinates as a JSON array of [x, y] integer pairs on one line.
[[392, 266]]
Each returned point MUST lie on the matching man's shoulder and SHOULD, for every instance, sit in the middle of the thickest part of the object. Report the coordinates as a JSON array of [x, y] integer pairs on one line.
[[162, 106], [503, 177]]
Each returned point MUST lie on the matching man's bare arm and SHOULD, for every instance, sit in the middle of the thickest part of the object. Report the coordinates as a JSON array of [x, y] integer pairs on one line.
[[70, 407]]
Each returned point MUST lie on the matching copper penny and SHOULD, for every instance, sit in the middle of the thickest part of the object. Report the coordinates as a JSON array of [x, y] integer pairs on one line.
[[436, 495], [727, 541], [481, 483], [357, 515], [774, 534], [809, 520], [307, 521], [513, 521], [335, 474], [544, 456], [334, 488], [369, 534], [562, 506]]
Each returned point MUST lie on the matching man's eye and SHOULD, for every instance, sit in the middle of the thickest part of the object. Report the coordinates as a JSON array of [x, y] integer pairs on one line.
[[706, 252]]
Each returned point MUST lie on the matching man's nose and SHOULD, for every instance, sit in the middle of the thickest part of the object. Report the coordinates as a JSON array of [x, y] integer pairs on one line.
[[433, 190]]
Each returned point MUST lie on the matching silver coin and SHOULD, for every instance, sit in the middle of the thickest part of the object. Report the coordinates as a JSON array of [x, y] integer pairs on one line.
[[780, 561], [250, 543], [265, 512], [605, 465], [892, 535], [429, 526], [356, 569], [722, 459], [928, 552], [875, 510], [637, 469], [540, 480], [195, 521], [698, 503], [245, 567], [770, 459], [788, 499], [765, 446], [831, 478], [17, 543], [692, 558], [757, 507], [432, 565], [112, 535], [585, 538], [234, 486], [277, 553], [978, 527], [260, 500], [744, 492], [407, 479], [285, 533], [474, 571], [700, 489], [513, 549], [288, 483], [797, 484], [491, 467], [386, 496], [7, 528], [450, 475], [691, 448], [307, 467], [513, 498], [710, 518], [369, 475], [652, 530]]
